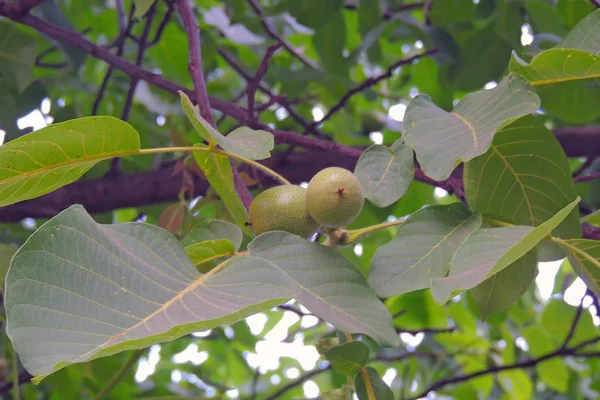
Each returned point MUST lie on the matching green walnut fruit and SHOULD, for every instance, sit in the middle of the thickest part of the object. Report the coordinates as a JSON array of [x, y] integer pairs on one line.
[[282, 208], [334, 197]]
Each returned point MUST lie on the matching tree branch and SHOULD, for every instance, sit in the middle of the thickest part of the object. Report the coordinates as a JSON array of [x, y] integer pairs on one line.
[[368, 83], [197, 73], [586, 178], [254, 83], [19, 9], [273, 33], [532, 362], [297, 382]]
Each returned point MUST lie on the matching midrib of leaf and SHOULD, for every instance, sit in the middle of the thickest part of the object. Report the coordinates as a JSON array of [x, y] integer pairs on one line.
[[70, 162], [470, 127], [385, 172], [165, 306], [432, 249], [564, 79], [517, 178]]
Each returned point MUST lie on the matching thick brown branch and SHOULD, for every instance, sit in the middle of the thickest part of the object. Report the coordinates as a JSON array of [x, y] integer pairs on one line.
[[16, 10]]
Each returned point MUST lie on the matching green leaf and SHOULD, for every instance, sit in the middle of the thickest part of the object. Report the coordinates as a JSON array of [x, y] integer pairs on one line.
[[516, 384], [78, 290], [444, 13], [219, 174], [557, 319], [54, 156], [524, 177], [483, 57], [141, 7], [553, 372], [585, 36], [584, 256], [592, 219], [348, 358], [488, 251], [369, 385], [17, 55], [369, 17], [422, 249], [210, 250], [304, 11], [329, 42], [243, 141], [385, 173], [572, 11], [566, 80], [214, 229], [6, 253], [499, 292], [330, 285], [544, 18], [442, 139]]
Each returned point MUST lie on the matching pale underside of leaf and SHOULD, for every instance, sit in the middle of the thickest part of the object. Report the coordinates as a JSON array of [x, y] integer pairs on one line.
[[441, 139], [422, 249], [330, 286], [78, 290]]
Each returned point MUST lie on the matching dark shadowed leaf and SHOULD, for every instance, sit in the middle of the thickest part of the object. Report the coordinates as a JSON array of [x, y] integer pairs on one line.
[[385, 173], [6, 254], [369, 385], [369, 17], [219, 174], [524, 177], [584, 256], [488, 251], [47, 159], [422, 249], [330, 286], [304, 11], [553, 372], [442, 139], [329, 42], [17, 55], [499, 292], [348, 358], [243, 141], [78, 290]]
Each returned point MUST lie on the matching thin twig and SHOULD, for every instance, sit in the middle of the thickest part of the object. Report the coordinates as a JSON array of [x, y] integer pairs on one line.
[[370, 82], [273, 33], [532, 362], [586, 178], [163, 24], [120, 374], [122, 17], [574, 324], [120, 49], [254, 83], [196, 72], [426, 330], [595, 301], [297, 382]]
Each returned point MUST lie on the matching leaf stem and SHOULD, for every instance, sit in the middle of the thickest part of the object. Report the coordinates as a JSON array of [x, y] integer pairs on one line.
[[355, 234], [120, 374], [368, 385], [245, 160]]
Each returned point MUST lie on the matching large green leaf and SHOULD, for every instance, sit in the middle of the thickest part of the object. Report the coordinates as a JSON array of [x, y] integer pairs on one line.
[[214, 229], [488, 251], [567, 76], [524, 177], [369, 385], [442, 139], [573, 11], [243, 141], [584, 256], [499, 292], [370, 24], [52, 157], [348, 358], [385, 173], [422, 249], [329, 41], [330, 286], [17, 55], [78, 290], [311, 13], [219, 174], [553, 372], [557, 318]]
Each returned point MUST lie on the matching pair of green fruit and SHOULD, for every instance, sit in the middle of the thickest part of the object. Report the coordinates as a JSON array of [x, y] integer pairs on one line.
[[333, 199]]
